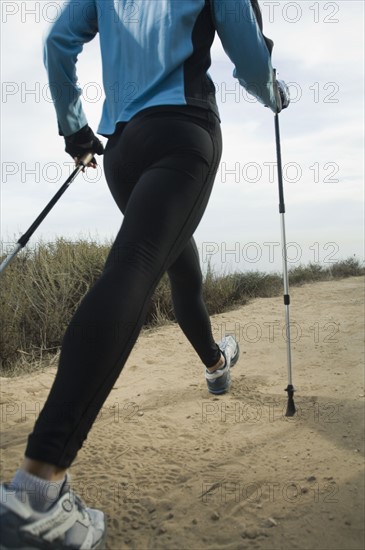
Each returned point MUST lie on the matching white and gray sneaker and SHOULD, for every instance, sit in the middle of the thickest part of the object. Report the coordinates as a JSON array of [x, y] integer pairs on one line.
[[67, 525], [219, 381]]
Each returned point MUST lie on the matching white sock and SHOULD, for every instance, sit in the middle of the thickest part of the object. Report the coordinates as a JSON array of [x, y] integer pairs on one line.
[[41, 493], [219, 368]]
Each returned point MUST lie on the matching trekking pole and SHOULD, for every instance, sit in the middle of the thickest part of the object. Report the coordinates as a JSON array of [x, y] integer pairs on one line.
[[290, 411], [83, 162]]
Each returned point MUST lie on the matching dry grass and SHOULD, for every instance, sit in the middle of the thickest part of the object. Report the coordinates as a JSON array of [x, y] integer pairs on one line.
[[41, 289]]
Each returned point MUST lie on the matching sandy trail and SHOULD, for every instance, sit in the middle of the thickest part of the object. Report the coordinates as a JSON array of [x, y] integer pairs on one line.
[[175, 468]]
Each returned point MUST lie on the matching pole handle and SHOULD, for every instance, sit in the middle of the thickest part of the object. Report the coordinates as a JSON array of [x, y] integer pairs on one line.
[[86, 159], [279, 165]]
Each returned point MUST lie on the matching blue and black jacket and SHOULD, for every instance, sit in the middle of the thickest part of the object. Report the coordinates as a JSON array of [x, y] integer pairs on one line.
[[155, 52]]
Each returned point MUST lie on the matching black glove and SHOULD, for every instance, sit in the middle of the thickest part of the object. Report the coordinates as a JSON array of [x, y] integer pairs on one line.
[[82, 142], [282, 95]]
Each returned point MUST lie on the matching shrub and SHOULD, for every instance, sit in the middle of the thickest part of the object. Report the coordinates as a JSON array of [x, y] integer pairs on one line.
[[42, 288]]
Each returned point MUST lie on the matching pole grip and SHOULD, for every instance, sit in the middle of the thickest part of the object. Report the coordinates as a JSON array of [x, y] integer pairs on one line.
[[279, 165], [86, 159]]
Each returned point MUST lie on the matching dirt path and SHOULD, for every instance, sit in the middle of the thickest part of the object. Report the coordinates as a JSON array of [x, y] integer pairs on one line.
[[175, 468]]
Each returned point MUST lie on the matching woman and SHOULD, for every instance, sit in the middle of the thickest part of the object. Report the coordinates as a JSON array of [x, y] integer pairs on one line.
[[164, 146]]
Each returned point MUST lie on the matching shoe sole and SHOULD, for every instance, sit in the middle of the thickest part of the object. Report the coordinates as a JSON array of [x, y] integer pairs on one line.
[[49, 545], [53, 547], [100, 546], [219, 392]]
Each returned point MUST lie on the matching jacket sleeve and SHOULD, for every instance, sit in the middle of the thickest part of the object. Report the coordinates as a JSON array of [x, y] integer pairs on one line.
[[76, 25], [239, 27], [257, 11]]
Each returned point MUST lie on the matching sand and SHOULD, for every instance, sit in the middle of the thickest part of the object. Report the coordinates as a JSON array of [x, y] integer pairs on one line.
[[174, 467]]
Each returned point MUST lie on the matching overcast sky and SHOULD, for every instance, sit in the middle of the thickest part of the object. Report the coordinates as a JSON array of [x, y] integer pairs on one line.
[[318, 51]]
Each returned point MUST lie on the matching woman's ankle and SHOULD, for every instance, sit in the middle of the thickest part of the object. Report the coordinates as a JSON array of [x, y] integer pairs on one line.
[[218, 365], [46, 471]]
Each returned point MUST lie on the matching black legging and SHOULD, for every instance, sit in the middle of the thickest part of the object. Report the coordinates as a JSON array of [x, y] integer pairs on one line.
[[160, 168]]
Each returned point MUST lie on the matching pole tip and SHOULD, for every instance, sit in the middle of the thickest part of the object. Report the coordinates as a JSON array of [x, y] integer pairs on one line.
[[290, 410]]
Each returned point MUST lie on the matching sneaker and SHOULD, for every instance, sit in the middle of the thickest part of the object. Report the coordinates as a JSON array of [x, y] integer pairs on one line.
[[68, 524], [219, 381]]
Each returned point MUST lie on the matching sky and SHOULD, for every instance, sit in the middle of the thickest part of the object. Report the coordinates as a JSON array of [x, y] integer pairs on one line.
[[318, 51]]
